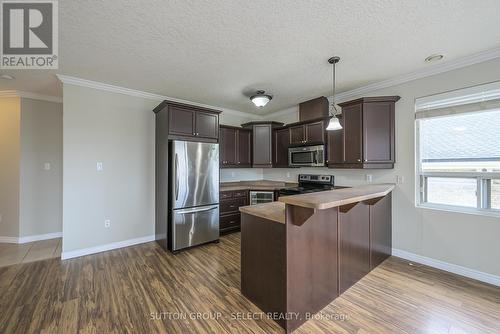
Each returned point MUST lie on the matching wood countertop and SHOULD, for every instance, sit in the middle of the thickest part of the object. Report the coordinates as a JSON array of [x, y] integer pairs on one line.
[[274, 211], [334, 198], [255, 185]]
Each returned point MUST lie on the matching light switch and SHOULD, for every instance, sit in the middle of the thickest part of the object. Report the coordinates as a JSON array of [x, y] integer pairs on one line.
[[100, 167], [46, 166]]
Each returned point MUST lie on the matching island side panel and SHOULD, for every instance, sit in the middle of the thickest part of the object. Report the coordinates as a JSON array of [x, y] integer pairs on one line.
[[312, 271], [354, 244], [380, 230], [263, 256]]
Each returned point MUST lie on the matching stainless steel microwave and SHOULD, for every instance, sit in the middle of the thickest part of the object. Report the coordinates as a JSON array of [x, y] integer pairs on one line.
[[310, 156]]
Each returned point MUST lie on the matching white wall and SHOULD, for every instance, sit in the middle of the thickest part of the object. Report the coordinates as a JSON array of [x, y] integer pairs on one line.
[[466, 240], [117, 130], [40, 197], [10, 115]]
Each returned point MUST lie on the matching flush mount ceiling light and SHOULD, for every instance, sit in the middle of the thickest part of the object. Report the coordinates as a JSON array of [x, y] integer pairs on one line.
[[6, 77], [334, 123], [260, 99], [433, 58]]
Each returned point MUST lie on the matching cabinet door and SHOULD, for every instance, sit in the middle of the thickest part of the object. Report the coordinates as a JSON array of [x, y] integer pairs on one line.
[[353, 132], [297, 135], [354, 244], [380, 231], [207, 125], [227, 147], [244, 149], [281, 144], [315, 133], [378, 132], [181, 121], [262, 145], [336, 145]]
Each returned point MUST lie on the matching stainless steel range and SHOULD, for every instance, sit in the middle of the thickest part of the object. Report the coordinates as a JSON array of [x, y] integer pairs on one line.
[[309, 183]]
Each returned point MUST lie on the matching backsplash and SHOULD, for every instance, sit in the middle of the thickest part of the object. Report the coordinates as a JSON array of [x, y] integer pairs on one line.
[[240, 174]]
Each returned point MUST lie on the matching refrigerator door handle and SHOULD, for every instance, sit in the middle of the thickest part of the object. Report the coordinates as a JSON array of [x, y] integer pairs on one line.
[[193, 210], [176, 177]]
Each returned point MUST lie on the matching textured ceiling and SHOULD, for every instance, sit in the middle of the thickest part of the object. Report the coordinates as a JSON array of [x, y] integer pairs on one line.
[[218, 52]]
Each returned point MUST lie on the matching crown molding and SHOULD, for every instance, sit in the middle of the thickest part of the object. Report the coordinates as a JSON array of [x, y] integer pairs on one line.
[[29, 95], [341, 97], [426, 72], [69, 80]]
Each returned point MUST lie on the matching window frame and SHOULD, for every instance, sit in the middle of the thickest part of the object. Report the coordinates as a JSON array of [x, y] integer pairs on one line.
[[483, 180]]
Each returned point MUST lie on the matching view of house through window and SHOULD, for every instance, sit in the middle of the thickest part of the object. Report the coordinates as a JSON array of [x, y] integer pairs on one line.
[[459, 160]]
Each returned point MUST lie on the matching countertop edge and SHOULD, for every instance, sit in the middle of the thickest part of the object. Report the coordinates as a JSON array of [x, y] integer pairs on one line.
[[296, 200]]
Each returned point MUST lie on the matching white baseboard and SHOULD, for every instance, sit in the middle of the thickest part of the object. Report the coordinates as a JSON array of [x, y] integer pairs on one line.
[[30, 238], [8, 240], [452, 268], [107, 247]]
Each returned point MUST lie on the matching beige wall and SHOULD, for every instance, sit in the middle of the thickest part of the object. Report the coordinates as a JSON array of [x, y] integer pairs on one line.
[[117, 130], [463, 239], [40, 197], [10, 114]]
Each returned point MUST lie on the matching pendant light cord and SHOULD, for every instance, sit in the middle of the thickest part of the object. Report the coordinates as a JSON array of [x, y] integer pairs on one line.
[[333, 96]]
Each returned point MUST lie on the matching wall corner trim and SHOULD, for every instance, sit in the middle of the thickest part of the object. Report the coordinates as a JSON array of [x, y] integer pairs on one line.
[[30, 238], [39, 237], [423, 73], [30, 95], [69, 80], [452, 268], [106, 247], [9, 240]]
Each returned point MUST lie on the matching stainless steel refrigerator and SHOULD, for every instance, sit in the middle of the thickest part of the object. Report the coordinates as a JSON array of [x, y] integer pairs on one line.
[[194, 194]]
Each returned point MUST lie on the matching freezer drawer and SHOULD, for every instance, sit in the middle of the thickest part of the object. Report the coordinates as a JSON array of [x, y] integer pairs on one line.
[[194, 226]]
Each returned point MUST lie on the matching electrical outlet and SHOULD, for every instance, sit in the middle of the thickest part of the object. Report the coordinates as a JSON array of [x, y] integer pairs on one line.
[[107, 223], [100, 167], [233, 174], [287, 174], [400, 179], [369, 178], [46, 166]]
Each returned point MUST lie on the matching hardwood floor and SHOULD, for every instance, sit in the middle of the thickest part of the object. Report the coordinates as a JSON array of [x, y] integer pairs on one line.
[[142, 289], [29, 252]]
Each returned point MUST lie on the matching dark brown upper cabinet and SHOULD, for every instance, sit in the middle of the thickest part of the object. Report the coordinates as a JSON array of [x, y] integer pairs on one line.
[[227, 146], [311, 133], [187, 122], [367, 139], [262, 142], [235, 147], [281, 142], [244, 152]]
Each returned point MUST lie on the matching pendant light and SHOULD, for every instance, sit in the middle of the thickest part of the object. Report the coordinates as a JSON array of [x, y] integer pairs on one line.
[[334, 123], [260, 99]]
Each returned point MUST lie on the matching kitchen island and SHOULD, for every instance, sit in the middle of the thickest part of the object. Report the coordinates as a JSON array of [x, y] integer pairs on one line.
[[299, 254]]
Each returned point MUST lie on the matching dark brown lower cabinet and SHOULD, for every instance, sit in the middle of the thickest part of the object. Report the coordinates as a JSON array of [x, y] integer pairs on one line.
[[354, 244], [300, 266], [380, 230], [230, 202]]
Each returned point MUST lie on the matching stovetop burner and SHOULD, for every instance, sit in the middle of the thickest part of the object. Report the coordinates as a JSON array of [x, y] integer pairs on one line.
[[310, 183]]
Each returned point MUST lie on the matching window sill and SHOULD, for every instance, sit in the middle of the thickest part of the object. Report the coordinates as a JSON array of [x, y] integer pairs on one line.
[[462, 210]]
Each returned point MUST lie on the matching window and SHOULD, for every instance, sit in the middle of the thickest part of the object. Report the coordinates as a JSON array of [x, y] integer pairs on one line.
[[458, 152]]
